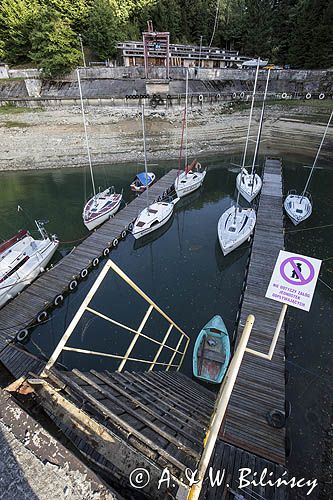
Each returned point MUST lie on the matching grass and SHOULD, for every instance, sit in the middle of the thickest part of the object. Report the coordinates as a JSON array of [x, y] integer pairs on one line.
[[310, 104], [15, 124], [11, 109]]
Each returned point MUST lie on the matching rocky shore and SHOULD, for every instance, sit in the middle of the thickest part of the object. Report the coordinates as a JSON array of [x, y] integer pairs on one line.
[[53, 137]]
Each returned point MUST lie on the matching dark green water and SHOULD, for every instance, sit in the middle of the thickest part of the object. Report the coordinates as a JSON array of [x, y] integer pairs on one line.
[[183, 270]]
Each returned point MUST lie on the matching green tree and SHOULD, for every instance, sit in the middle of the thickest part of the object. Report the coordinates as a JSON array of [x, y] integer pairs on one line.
[[258, 28], [104, 30], [54, 45]]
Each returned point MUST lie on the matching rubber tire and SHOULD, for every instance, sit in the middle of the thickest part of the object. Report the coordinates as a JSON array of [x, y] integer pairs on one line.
[[106, 252], [200, 98], [42, 316], [72, 285], [123, 234], [115, 243], [22, 336], [284, 95], [84, 273], [321, 96], [58, 300], [130, 226], [308, 96], [95, 262], [276, 419]]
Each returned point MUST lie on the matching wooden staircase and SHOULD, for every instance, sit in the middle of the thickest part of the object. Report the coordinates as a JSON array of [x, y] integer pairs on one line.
[[125, 421]]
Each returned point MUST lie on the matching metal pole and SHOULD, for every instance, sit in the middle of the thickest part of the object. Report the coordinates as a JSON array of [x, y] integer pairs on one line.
[[200, 53], [260, 127], [82, 51], [220, 409], [186, 98], [144, 150]]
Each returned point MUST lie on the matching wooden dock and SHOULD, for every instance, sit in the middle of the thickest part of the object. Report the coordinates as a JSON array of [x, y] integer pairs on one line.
[[23, 311], [260, 385]]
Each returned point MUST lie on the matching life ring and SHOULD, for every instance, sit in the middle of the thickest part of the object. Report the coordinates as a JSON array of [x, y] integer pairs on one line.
[[84, 273], [123, 234], [58, 300], [106, 252], [284, 95], [23, 335], [115, 242], [276, 419], [200, 97], [72, 285], [321, 96], [130, 226], [95, 262], [308, 96], [42, 316], [242, 95], [234, 95]]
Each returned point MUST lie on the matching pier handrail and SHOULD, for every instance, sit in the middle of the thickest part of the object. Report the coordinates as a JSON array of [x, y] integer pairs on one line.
[[137, 333]]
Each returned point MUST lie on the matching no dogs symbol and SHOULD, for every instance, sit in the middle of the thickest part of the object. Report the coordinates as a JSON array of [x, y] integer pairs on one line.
[[297, 271]]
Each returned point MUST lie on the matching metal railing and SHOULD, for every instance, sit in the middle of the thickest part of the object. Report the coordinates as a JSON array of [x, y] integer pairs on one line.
[[180, 349]]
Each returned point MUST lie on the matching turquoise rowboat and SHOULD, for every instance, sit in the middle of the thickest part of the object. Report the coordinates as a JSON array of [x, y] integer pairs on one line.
[[211, 354]]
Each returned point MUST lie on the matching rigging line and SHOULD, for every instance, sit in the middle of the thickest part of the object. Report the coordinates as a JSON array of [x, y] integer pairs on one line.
[[261, 121], [328, 378], [328, 286], [308, 228], [215, 22], [249, 492]]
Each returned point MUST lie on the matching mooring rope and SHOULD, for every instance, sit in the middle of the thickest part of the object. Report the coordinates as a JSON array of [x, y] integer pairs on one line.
[[308, 228]]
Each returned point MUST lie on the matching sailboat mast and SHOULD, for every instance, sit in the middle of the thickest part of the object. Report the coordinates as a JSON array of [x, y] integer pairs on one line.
[[86, 132], [250, 117], [317, 155], [260, 125], [144, 150], [186, 98]]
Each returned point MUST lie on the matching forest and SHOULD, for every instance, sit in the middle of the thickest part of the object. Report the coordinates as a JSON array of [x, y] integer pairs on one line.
[[44, 33]]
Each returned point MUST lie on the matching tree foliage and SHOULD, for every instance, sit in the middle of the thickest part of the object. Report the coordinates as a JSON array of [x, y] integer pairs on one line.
[[295, 32]]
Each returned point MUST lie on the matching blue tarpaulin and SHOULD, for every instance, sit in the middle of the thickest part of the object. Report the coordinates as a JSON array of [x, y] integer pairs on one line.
[[144, 178]]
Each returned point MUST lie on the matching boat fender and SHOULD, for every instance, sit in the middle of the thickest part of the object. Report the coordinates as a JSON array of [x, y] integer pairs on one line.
[[218, 96], [123, 234], [42, 316], [115, 243], [284, 95], [95, 262], [276, 419], [22, 336], [58, 300], [234, 95], [242, 95], [308, 96], [84, 273], [160, 198], [130, 226], [72, 285], [106, 252], [165, 194], [200, 97], [321, 96]]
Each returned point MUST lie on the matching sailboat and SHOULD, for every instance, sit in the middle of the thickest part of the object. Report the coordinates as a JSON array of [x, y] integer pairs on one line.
[[249, 184], [193, 176], [299, 206], [156, 214], [236, 224], [105, 203], [22, 259]]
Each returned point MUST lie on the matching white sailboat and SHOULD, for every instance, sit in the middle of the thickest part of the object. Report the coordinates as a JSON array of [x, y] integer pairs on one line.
[[236, 224], [22, 259], [250, 183], [105, 203], [156, 214], [193, 176], [299, 206]]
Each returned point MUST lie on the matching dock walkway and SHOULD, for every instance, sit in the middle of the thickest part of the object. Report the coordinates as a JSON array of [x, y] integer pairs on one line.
[[23, 311], [260, 385]]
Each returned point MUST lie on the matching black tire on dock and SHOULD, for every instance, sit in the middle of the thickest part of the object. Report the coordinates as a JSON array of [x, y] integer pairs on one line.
[[123, 234], [72, 285], [22, 336], [84, 273], [95, 262], [58, 300], [42, 316], [130, 226], [106, 251], [276, 419], [115, 242]]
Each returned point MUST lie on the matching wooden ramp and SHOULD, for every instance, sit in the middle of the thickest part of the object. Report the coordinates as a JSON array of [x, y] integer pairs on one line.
[[260, 385], [23, 311]]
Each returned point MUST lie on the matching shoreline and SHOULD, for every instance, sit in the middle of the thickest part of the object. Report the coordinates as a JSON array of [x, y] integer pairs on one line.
[[53, 138]]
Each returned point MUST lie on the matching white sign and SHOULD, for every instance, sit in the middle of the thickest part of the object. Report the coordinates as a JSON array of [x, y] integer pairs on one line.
[[294, 280]]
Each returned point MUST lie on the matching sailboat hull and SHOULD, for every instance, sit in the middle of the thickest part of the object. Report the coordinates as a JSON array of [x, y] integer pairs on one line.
[[234, 230], [152, 218], [248, 185], [188, 182], [100, 208], [298, 208]]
